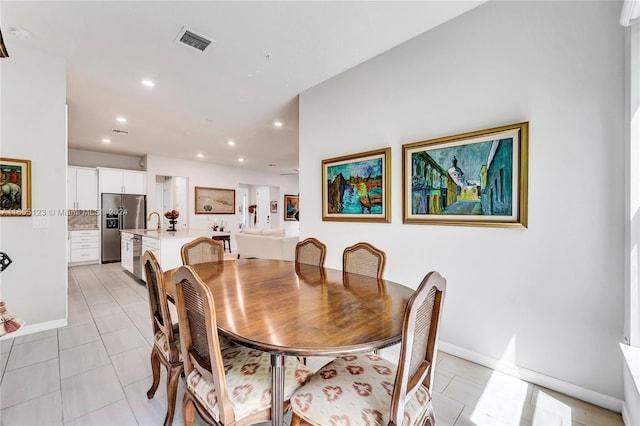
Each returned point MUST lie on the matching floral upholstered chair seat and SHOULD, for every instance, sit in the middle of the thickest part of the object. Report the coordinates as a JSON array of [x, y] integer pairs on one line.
[[160, 340], [362, 382], [248, 377]]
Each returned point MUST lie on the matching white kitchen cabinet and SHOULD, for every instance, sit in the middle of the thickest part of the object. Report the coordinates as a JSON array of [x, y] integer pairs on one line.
[[126, 251], [152, 245], [84, 246], [119, 181], [82, 184]]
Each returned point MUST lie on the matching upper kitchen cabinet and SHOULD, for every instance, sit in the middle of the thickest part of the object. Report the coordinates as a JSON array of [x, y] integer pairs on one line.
[[82, 188], [119, 181]]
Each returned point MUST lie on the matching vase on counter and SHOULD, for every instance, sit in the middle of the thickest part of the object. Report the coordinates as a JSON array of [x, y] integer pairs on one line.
[[172, 215]]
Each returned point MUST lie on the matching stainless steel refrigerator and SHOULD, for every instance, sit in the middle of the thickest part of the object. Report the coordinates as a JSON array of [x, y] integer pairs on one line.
[[120, 211]]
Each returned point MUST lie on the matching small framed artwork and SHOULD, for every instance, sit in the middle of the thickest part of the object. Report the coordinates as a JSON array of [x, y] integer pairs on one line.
[[291, 207], [273, 206], [215, 200], [477, 178], [357, 187], [15, 182]]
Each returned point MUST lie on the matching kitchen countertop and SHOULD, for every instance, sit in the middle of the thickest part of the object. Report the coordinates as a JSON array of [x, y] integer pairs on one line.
[[83, 228], [180, 233]]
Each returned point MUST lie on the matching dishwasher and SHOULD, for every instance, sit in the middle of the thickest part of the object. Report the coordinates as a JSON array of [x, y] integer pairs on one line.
[[137, 256]]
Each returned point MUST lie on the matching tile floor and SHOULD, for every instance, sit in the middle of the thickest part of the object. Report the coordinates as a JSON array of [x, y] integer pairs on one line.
[[96, 371]]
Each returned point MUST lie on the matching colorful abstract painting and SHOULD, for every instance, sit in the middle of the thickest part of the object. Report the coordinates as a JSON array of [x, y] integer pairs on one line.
[[356, 187], [477, 178], [292, 207], [15, 186]]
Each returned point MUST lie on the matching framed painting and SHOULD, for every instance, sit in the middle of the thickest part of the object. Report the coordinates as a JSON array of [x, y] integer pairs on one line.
[[357, 187], [273, 206], [477, 178], [292, 207], [15, 182], [215, 200]]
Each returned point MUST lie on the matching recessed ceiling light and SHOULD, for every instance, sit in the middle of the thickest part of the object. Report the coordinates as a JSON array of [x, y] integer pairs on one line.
[[200, 155], [231, 143], [121, 119], [106, 140], [240, 159], [277, 123], [148, 83]]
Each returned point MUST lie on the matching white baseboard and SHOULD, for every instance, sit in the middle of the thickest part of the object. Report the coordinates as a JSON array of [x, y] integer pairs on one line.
[[35, 328], [625, 415], [596, 398]]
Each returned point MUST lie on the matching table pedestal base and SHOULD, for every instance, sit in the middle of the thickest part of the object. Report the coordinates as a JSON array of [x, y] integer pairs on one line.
[[277, 389]]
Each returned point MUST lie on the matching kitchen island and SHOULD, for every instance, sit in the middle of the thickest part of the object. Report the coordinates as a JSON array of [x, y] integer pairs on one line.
[[165, 245]]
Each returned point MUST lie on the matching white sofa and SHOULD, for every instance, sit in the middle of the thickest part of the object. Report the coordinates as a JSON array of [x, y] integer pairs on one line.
[[266, 244]]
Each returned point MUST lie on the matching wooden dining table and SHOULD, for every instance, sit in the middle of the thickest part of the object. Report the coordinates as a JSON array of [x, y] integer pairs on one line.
[[290, 309]]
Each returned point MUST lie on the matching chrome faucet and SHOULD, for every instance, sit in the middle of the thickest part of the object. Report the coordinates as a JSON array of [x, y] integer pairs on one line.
[[157, 214]]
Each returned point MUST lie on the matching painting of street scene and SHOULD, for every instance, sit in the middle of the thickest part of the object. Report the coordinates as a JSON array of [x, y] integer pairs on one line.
[[465, 179], [354, 187]]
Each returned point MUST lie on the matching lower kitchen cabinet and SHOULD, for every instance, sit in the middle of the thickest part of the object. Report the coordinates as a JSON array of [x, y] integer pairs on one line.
[[84, 246], [152, 245], [126, 251]]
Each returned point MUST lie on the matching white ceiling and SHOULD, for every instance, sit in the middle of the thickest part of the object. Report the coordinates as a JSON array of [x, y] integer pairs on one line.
[[231, 91]]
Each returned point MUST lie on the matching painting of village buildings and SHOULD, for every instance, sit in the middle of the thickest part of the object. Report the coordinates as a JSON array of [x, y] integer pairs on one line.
[[466, 179], [354, 187]]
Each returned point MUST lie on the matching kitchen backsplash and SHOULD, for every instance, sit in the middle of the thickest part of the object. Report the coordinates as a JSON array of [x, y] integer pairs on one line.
[[82, 219]]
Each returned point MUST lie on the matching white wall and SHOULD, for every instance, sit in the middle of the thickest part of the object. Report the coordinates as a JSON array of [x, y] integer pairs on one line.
[[548, 298], [79, 157], [33, 127], [216, 176]]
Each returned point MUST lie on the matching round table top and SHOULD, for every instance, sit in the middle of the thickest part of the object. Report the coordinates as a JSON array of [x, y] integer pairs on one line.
[[302, 310]]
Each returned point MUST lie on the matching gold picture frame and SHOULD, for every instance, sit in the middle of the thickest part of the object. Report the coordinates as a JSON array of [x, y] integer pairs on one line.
[[357, 187], [15, 185], [474, 179], [215, 200], [291, 207]]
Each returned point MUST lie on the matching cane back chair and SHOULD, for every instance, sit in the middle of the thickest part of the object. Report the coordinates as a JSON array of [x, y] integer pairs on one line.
[[361, 389], [202, 250], [311, 252], [166, 338], [225, 386], [364, 259]]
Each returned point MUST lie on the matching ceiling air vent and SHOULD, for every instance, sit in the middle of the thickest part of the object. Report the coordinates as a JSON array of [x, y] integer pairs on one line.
[[191, 39], [120, 131]]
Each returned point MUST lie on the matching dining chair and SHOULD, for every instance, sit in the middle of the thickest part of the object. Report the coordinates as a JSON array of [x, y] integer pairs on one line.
[[202, 250], [166, 337], [360, 389], [205, 250], [310, 252], [225, 386], [364, 259]]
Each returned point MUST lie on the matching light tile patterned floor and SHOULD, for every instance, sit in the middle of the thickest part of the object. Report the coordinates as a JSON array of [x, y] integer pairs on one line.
[[96, 371]]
